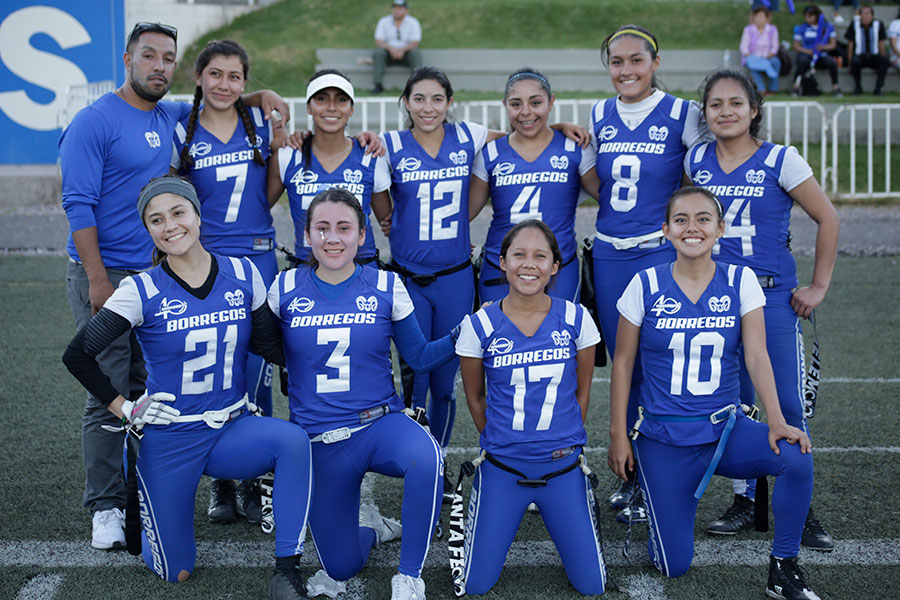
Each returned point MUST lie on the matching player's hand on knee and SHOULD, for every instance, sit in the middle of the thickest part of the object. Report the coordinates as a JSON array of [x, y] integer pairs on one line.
[[792, 435], [151, 410], [620, 456]]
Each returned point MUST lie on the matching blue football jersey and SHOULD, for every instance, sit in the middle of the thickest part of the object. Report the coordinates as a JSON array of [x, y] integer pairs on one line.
[[194, 348], [546, 189], [530, 381], [430, 226], [638, 169], [338, 351], [689, 352], [356, 174], [757, 209], [236, 220]]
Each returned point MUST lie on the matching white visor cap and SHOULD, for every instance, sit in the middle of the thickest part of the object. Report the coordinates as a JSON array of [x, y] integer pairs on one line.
[[331, 80]]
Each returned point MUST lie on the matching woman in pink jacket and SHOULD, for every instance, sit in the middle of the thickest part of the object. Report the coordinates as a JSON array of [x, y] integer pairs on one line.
[[759, 50]]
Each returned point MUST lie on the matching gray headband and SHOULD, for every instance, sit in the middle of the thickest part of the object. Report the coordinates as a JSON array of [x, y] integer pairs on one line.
[[167, 185]]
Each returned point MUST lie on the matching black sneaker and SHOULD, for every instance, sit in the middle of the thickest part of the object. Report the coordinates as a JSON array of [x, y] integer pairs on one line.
[[787, 581], [814, 535], [377, 89], [738, 517], [248, 502], [622, 496], [221, 501], [287, 586], [634, 512]]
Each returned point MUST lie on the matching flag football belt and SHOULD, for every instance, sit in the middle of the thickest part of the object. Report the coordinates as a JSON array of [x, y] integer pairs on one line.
[[813, 374], [502, 280], [727, 413], [457, 537], [366, 418], [426, 280], [217, 418], [648, 240]]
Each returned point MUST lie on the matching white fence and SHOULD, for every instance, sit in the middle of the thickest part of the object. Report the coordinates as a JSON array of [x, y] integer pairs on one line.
[[803, 124]]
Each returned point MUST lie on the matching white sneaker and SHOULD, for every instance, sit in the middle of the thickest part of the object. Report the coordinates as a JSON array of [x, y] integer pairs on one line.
[[404, 587], [386, 529], [321, 584], [839, 20], [109, 529]]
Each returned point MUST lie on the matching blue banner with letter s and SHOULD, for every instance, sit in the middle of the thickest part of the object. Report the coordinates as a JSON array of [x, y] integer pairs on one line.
[[46, 46]]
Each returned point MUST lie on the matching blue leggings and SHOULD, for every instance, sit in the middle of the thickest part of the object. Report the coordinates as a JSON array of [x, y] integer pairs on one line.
[[611, 277], [439, 308], [496, 506], [169, 467], [566, 285], [669, 475], [259, 373], [393, 445]]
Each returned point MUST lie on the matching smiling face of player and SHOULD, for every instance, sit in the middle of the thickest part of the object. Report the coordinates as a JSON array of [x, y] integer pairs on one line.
[[693, 225], [427, 105], [631, 68], [331, 109], [529, 261], [334, 234], [151, 65], [528, 107], [222, 81], [173, 224], [728, 110]]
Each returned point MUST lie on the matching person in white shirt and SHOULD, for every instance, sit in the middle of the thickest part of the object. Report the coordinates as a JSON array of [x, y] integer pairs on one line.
[[893, 34], [397, 38]]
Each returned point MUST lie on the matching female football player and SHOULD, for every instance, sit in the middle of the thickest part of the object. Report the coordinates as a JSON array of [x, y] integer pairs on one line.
[[758, 182], [533, 173], [222, 147], [193, 314], [688, 320], [338, 319], [526, 365], [641, 136], [328, 158]]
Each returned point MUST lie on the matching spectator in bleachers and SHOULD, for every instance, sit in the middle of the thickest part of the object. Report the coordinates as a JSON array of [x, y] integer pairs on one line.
[[813, 40], [759, 50], [837, 18], [397, 38], [867, 47], [893, 34]]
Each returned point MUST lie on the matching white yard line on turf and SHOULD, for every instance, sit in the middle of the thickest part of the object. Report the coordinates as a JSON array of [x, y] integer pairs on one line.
[[41, 587], [472, 451], [645, 587]]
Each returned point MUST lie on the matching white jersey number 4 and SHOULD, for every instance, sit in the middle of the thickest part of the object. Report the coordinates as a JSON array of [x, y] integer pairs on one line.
[[739, 208]]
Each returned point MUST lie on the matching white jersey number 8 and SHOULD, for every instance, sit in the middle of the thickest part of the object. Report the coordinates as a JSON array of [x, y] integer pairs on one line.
[[553, 372], [628, 184]]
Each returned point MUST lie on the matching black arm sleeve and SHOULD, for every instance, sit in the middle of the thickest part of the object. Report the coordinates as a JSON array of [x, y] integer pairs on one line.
[[266, 340], [80, 356]]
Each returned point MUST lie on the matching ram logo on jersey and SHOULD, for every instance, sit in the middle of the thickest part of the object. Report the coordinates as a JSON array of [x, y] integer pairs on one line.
[[409, 163], [370, 303], [258, 143], [561, 338], [200, 149], [722, 304], [504, 168], [670, 306], [301, 305], [235, 298], [353, 175], [175, 307], [500, 346], [658, 134], [559, 162], [607, 133], [152, 139], [702, 177], [304, 176], [755, 176], [459, 158]]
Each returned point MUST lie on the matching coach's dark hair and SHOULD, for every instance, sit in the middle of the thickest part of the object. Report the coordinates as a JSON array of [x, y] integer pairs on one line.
[[688, 191], [640, 33], [812, 9], [337, 196], [754, 97], [548, 235], [160, 255], [306, 148], [142, 28], [527, 73], [213, 49], [422, 74]]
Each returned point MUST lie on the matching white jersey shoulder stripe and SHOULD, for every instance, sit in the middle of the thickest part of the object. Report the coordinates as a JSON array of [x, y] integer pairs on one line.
[[675, 113], [382, 284], [570, 145], [396, 144], [652, 280], [492, 150], [290, 280], [570, 313], [257, 115], [461, 133], [598, 111], [366, 160], [485, 321], [772, 158], [732, 271], [180, 132], [699, 151], [238, 267], [149, 286]]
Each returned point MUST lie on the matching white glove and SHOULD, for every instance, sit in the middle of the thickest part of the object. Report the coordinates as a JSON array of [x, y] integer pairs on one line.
[[150, 410]]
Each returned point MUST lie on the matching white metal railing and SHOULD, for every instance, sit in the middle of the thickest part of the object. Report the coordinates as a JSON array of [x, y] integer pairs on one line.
[[79, 96], [844, 123], [780, 117]]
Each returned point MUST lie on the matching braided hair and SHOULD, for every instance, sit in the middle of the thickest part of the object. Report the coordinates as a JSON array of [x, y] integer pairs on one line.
[[212, 49]]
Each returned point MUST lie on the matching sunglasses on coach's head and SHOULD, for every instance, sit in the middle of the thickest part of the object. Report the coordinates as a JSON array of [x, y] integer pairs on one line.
[[145, 26]]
